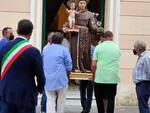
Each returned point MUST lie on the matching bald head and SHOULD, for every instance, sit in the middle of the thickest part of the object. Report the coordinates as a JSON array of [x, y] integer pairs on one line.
[[140, 45], [108, 35]]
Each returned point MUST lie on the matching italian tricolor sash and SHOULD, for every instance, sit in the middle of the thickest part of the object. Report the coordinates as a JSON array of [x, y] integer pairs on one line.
[[12, 55]]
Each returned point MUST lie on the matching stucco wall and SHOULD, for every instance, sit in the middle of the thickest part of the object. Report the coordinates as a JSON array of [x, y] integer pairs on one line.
[[11, 11], [134, 25]]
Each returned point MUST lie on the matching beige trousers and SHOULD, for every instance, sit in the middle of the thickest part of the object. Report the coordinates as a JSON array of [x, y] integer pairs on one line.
[[56, 100]]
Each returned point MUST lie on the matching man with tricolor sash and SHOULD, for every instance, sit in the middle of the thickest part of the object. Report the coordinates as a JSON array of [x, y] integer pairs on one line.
[[20, 63]]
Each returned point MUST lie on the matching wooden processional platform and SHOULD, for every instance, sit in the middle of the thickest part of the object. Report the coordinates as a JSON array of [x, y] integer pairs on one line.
[[80, 76]]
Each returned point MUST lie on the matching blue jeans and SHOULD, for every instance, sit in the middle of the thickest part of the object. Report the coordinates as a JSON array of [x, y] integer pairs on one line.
[[43, 102], [143, 95], [86, 93]]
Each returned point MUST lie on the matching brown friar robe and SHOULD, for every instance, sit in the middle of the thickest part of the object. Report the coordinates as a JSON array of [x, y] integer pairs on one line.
[[81, 41]]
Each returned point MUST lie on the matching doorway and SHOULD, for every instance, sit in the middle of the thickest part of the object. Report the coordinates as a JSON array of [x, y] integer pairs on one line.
[[54, 14]]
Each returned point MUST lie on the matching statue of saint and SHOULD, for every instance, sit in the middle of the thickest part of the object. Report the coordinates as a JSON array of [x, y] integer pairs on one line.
[[81, 35]]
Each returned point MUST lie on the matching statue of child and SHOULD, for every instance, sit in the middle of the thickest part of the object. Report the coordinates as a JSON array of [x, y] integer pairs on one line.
[[72, 12]]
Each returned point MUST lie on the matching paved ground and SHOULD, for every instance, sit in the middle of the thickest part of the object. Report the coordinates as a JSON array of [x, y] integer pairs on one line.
[[77, 109], [73, 106]]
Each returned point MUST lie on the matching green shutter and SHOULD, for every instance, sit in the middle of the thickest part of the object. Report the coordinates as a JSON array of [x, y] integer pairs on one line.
[[102, 11], [44, 24]]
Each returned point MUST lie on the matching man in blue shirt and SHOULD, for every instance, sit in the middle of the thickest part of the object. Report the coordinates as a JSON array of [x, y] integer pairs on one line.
[[57, 63], [7, 35]]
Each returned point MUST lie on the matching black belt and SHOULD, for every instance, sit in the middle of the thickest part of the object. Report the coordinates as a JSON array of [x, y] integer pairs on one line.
[[144, 81]]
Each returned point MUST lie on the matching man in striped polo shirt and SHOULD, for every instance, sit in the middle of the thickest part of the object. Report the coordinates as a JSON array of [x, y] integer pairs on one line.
[[141, 75]]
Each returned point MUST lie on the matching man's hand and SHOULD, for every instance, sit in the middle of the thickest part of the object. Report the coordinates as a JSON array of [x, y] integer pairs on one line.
[[91, 78], [94, 62]]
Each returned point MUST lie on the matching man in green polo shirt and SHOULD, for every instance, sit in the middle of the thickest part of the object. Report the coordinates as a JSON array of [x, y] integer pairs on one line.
[[105, 67]]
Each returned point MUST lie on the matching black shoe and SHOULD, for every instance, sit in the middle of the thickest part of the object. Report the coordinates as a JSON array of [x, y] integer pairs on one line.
[[84, 112]]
